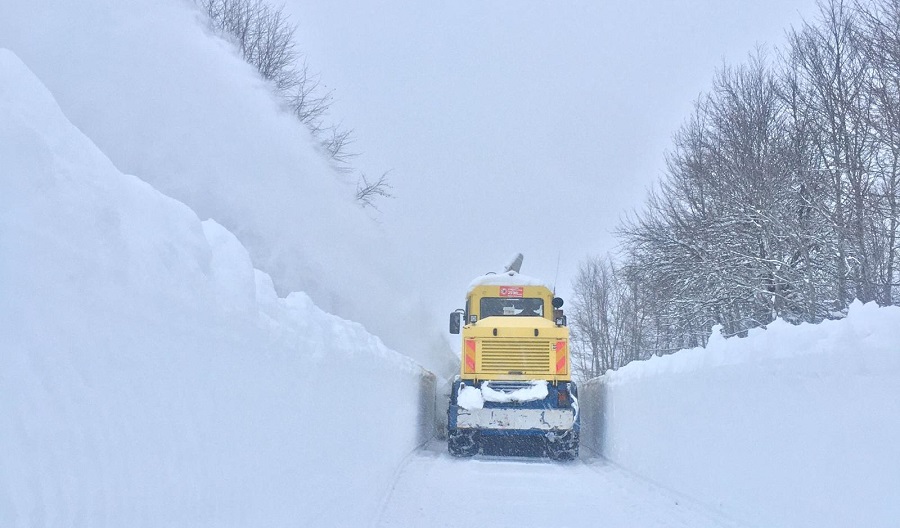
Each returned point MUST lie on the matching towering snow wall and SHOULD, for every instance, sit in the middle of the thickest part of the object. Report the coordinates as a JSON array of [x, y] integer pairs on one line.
[[792, 426], [149, 376], [176, 106]]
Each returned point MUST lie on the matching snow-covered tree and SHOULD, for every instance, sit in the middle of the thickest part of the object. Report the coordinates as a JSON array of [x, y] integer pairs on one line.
[[781, 198]]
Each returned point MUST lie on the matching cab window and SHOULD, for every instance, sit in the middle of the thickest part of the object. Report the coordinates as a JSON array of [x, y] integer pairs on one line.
[[512, 307]]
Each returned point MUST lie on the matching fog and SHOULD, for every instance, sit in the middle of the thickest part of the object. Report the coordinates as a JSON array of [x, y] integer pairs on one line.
[[506, 127], [521, 126]]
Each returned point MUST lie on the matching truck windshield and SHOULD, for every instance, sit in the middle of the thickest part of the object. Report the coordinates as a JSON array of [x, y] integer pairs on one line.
[[505, 306]]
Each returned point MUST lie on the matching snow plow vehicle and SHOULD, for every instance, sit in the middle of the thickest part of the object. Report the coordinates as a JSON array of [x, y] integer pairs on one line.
[[515, 382]]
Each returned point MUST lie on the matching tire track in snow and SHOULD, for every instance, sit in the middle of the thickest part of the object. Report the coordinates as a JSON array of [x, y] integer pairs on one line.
[[434, 489]]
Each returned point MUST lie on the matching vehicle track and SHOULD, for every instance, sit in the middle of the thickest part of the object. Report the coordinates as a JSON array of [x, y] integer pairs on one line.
[[434, 489]]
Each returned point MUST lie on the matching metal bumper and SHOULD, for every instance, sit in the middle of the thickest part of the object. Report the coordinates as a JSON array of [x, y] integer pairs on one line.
[[509, 419]]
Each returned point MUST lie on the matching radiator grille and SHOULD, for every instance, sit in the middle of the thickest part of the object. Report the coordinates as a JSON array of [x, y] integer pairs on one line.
[[524, 356]]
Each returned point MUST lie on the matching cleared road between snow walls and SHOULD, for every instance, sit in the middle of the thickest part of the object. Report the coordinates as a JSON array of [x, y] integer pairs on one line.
[[436, 490], [793, 426]]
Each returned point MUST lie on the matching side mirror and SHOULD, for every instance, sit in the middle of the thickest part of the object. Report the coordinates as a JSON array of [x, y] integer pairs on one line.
[[557, 302], [455, 321], [559, 318]]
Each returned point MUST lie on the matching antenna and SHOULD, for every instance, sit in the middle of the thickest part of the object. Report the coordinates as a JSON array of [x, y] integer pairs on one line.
[[557, 272]]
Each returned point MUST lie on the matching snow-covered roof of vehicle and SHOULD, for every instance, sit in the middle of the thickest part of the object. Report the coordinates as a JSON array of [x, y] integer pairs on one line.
[[507, 278]]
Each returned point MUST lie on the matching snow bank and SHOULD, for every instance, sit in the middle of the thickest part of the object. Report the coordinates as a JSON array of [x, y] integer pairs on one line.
[[792, 426], [149, 376], [176, 106]]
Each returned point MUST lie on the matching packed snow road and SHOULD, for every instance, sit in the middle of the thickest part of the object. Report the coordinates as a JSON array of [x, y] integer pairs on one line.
[[434, 489]]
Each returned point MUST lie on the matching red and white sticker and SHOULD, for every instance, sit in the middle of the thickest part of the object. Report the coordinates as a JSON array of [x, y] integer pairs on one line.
[[511, 291]]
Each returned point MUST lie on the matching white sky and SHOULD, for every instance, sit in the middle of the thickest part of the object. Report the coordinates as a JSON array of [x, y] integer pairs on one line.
[[518, 125]]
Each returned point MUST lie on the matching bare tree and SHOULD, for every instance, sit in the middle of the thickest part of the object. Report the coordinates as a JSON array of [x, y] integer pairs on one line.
[[878, 38], [307, 101], [835, 74], [591, 299], [265, 37], [607, 324], [336, 143], [368, 191]]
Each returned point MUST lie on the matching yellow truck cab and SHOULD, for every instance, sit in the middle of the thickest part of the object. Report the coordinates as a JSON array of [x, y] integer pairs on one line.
[[515, 371]]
